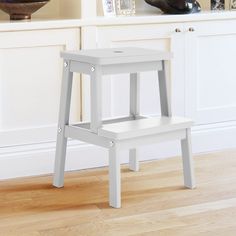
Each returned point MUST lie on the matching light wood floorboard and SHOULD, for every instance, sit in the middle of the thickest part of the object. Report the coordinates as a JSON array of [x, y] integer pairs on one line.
[[154, 202]]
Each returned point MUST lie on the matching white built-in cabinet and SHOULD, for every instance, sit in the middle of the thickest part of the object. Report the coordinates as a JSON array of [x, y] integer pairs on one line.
[[202, 75], [30, 80], [210, 71]]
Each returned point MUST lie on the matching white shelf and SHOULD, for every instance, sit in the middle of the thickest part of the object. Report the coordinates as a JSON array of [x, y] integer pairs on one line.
[[89, 12], [61, 22]]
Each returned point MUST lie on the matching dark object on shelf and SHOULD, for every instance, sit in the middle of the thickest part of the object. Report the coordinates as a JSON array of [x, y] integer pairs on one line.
[[21, 9], [218, 5], [176, 6]]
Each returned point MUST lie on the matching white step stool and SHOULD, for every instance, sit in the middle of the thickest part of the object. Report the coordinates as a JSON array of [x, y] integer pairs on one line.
[[124, 133]]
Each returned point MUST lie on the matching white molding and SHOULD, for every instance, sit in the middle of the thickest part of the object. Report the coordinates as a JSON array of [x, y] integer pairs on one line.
[[38, 159], [25, 135]]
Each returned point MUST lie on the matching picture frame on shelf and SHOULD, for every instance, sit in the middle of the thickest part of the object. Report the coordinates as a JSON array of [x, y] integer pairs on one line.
[[232, 5], [125, 7], [217, 5], [109, 7]]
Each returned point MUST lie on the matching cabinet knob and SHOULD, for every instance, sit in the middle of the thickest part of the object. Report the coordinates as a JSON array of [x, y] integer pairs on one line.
[[191, 29], [177, 30]]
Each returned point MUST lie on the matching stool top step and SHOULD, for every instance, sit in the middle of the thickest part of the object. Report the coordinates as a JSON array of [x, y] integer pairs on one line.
[[143, 127], [111, 56]]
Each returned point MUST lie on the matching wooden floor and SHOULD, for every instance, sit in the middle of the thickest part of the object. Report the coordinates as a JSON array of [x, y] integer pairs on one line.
[[154, 202]]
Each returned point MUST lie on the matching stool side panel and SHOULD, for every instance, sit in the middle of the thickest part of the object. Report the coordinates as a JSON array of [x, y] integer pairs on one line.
[[130, 60], [114, 56]]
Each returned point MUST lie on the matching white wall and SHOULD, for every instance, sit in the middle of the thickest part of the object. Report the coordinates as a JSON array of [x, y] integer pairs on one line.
[[70, 8]]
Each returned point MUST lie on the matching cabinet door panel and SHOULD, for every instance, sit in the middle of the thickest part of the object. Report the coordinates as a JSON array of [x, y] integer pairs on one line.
[[30, 83], [158, 37], [210, 80]]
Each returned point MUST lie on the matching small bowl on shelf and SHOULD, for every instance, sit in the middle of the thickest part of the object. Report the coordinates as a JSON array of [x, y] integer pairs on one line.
[[21, 9]]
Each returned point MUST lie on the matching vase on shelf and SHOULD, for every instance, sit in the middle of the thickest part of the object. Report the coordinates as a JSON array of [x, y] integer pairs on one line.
[[21, 9]]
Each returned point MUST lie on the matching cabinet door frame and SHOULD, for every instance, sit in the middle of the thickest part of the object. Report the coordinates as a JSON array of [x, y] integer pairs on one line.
[[106, 36], [68, 39], [201, 30]]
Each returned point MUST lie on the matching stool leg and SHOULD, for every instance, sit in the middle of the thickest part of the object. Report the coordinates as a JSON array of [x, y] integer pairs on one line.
[[114, 178], [134, 111], [133, 160], [96, 98], [66, 87], [189, 178], [164, 89]]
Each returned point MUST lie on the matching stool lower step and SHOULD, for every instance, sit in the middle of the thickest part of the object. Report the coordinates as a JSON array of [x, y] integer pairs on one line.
[[143, 127]]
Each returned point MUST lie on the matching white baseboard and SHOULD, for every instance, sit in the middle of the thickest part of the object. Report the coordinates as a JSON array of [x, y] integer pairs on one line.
[[38, 159]]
